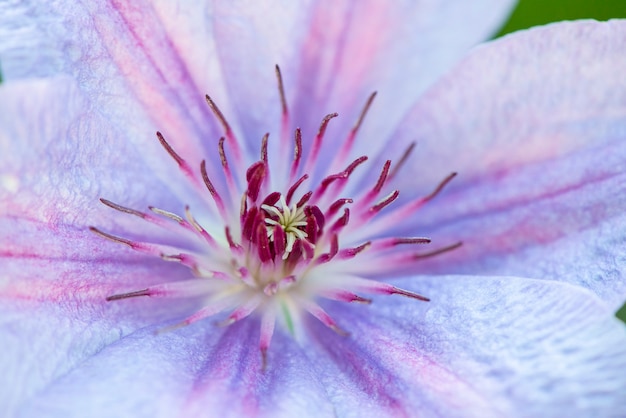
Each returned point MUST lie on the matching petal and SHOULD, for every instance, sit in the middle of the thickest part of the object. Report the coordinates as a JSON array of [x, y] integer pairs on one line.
[[335, 54], [138, 65], [61, 156], [194, 372], [53, 317], [530, 96], [561, 220], [535, 124], [485, 347]]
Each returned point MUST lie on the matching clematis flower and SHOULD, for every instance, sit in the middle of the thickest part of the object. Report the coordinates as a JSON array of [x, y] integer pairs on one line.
[[213, 269]]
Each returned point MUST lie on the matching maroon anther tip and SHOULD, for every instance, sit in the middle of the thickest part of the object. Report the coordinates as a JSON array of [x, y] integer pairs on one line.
[[271, 199], [385, 202], [218, 113], [137, 293], [264, 147], [382, 177], [403, 159], [336, 205], [170, 150], [281, 91], [255, 176], [294, 187], [121, 208]]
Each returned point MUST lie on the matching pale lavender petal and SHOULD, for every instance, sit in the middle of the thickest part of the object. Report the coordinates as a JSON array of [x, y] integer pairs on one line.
[[195, 372], [335, 54], [64, 156], [54, 315], [535, 125], [137, 65], [485, 347], [530, 96], [561, 220]]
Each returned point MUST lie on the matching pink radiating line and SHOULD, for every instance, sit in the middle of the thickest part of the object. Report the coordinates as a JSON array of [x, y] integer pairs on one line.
[[319, 313], [268, 323]]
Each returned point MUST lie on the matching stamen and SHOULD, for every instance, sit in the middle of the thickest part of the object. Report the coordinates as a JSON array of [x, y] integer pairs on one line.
[[297, 153], [167, 214], [349, 141], [182, 164], [264, 147], [319, 313], [283, 251], [438, 251], [439, 187], [405, 156], [123, 209], [294, 187], [317, 143], [227, 130], [281, 91], [214, 194], [385, 202]]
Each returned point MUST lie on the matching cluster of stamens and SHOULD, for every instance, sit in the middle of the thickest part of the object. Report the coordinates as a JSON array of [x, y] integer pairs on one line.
[[286, 250]]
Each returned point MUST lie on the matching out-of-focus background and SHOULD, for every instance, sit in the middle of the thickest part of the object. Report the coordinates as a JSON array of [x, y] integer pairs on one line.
[[539, 12]]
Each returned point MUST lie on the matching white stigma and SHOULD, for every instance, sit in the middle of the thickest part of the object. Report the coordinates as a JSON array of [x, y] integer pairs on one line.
[[290, 220]]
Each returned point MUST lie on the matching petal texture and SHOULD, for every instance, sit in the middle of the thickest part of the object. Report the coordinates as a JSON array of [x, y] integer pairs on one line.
[[485, 347], [334, 54], [535, 124]]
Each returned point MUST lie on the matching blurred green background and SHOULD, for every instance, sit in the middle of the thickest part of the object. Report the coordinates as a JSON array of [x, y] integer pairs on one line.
[[539, 12]]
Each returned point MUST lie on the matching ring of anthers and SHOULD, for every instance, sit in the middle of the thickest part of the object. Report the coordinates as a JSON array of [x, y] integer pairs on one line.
[[277, 253]]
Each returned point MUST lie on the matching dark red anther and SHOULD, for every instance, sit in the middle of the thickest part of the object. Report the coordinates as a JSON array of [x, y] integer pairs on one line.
[[222, 152], [317, 142], [271, 199], [280, 240], [328, 180], [143, 292], [249, 223], [281, 91], [439, 187], [438, 251], [123, 209], [294, 187], [385, 202], [412, 240], [311, 228], [342, 221], [336, 205], [207, 181], [170, 150], [244, 207], [383, 176], [255, 176], [352, 252], [264, 147], [354, 164], [308, 249], [334, 249], [297, 152], [403, 159], [263, 243], [229, 238], [305, 198], [218, 113], [317, 213]]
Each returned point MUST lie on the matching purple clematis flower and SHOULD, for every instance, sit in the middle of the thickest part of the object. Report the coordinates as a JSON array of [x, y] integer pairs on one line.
[[272, 237]]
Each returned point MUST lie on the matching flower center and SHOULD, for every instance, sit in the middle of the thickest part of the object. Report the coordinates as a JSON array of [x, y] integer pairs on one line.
[[285, 224], [288, 250]]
